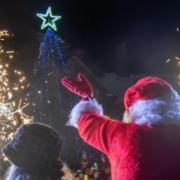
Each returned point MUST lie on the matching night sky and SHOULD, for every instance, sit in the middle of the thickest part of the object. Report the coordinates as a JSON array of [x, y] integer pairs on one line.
[[126, 37]]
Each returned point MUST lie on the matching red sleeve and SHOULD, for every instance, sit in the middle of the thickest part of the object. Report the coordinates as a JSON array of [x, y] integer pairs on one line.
[[99, 131]]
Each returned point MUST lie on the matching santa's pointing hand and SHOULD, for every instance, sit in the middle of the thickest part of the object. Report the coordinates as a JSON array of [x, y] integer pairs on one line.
[[79, 86]]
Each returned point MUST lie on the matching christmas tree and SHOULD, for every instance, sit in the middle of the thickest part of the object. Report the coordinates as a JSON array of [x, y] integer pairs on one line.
[[52, 100]]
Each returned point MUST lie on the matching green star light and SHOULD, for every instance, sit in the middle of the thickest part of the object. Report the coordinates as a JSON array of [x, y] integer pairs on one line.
[[49, 20]]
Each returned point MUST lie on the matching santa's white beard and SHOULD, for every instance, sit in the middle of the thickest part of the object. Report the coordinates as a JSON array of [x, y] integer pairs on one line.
[[165, 109], [127, 117]]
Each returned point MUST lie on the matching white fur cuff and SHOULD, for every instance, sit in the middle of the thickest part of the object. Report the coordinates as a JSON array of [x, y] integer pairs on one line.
[[84, 106]]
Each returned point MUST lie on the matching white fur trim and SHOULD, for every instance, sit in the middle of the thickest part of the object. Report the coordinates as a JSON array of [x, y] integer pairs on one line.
[[164, 110], [84, 106]]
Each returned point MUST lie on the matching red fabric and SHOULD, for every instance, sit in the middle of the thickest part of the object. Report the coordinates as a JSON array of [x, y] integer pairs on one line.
[[136, 152], [146, 88], [80, 86]]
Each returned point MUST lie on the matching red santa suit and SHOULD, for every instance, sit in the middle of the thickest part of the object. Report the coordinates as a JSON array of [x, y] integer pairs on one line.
[[147, 148]]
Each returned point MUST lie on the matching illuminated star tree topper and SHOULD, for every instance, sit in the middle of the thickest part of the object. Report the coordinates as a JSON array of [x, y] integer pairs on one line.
[[49, 20]]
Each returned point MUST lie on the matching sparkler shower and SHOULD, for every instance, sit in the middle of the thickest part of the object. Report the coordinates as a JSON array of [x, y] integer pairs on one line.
[[11, 107], [12, 84]]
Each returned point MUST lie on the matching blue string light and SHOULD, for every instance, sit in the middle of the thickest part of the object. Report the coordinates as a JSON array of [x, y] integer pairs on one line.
[[50, 50]]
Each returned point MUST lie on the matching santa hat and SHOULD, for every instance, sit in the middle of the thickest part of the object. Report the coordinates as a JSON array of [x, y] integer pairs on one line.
[[34, 148], [145, 89]]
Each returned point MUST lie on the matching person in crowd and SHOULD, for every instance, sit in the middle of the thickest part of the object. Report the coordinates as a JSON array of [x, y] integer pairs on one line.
[[34, 154], [68, 173], [79, 175], [146, 144], [84, 164]]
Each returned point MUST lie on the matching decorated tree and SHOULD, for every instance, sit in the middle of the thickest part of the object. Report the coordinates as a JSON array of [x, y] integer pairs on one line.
[[52, 100]]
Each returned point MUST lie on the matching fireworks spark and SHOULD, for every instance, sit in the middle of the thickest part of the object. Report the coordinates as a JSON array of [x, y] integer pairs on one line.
[[12, 113], [4, 35]]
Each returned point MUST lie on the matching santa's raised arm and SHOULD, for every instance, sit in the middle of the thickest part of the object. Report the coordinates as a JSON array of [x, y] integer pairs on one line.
[[147, 146]]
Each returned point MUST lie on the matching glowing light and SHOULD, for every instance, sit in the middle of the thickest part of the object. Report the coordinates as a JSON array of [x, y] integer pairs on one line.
[[49, 20], [177, 58], [49, 102], [11, 113], [10, 52], [11, 56], [20, 109], [4, 33], [11, 118], [39, 92], [168, 60]]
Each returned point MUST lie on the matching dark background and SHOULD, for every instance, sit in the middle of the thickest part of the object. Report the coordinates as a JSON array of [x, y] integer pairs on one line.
[[126, 37]]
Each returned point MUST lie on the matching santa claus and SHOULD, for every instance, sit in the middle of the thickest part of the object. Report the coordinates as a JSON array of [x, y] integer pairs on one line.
[[146, 144]]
